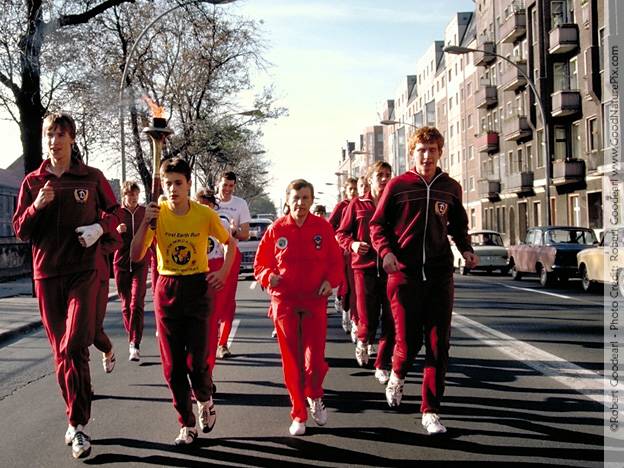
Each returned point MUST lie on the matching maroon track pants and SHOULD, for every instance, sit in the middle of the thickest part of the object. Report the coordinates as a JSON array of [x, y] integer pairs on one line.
[[422, 310], [301, 337], [131, 287], [183, 309], [373, 307], [227, 301], [101, 340], [68, 316]]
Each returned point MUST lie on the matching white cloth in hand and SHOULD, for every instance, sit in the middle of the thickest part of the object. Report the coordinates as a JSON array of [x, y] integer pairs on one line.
[[88, 235]]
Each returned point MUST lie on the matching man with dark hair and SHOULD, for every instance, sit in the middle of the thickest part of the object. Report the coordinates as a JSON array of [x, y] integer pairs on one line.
[[182, 298], [414, 217], [235, 209]]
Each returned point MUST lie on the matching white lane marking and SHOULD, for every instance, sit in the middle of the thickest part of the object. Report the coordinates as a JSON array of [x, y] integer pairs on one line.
[[235, 324], [537, 291], [253, 285], [585, 381]]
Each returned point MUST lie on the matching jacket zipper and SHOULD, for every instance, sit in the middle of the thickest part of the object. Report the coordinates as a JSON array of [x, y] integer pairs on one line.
[[424, 255]]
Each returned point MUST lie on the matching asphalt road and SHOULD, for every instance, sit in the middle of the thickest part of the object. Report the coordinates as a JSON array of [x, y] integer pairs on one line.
[[506, 400]]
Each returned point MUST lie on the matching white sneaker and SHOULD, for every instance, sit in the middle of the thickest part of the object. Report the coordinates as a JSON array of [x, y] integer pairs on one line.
[[81, 444], [69, 434], [186, 436], [431, 423], [108, 362], [297, 428], [223, 352], [353, 332], [134, 353], [394, 390], [382, 376], [207, 415], [274, 333], [372, 349], [338, 304], [361, 354], [346, 322], [318, 411]]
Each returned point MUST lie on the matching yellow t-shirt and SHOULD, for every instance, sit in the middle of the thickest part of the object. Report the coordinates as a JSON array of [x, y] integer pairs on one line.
[[182, 241]]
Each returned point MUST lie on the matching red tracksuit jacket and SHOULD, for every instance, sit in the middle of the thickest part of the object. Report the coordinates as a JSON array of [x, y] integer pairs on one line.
[[355, 226], [132, 222], [304, 256], [80, 194], [413, 220], [336, 214]]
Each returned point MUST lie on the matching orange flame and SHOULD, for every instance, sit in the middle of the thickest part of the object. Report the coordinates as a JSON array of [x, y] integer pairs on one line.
[[156, 110]]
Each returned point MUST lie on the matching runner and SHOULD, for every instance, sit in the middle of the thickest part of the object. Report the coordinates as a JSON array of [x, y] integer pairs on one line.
[[370, 278], [58, 211], [130, 277], [235, 209], [109, 243], [345, 300], [182, 299], [409, 230], [299, 262]]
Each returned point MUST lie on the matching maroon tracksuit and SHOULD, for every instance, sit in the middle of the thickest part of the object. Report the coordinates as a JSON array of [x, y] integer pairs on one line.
[[370, 279], [346, 290], [131, 277], [66, 280], [109, 243], [413, 220]]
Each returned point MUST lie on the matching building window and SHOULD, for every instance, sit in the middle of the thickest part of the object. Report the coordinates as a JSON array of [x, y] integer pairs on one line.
[[473, 218], [537, 213], [520, 162], [560, 143], [593, 137], [575, 140], [540, 148], [469, 120], [471, 184], [529, 151], [574, 210], [470, 153]]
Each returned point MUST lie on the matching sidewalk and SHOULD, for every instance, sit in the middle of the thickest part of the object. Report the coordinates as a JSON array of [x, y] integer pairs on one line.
[[19, 312]]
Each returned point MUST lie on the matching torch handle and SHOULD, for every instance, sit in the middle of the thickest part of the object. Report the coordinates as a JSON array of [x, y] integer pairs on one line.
[[156, 186]]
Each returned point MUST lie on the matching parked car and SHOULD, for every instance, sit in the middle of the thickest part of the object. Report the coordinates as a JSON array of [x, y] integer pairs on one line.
[[550, 252], [488, 246], [603, 264], [248, 248]]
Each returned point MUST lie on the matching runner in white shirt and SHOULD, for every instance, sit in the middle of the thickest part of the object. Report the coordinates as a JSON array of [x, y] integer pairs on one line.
[[235, 209]]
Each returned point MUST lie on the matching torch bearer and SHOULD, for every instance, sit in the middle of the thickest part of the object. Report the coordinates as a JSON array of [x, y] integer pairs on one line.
[[158, 132]]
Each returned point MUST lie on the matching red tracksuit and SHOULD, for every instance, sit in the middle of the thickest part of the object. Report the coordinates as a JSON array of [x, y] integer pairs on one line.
[[370, 279], [304, 257], [109, 243], [131, 277], [66, 280], [346, 290], [227, 299], [413, 220]]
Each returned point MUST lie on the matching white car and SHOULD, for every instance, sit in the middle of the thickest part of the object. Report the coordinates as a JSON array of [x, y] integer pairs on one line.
[[489, 247], [603, 264], [248, 248]]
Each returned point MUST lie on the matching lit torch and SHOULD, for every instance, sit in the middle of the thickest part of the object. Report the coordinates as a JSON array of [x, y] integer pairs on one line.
[[157, 132]]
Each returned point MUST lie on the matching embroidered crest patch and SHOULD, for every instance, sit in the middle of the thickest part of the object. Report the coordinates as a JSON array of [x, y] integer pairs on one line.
[[318, 241], [282, 242], [441, 208], [81, 195]]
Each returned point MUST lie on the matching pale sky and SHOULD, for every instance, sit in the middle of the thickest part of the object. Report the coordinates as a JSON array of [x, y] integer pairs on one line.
[[334, 63]]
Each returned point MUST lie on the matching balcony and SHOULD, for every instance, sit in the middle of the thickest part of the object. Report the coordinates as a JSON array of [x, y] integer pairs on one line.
[[565, 103], [486, 96], [512, 78], [486, 57], [568, 172], [516, 128], [520, 183], [489, 189], [563, 39], [487, 142], [514, 27]]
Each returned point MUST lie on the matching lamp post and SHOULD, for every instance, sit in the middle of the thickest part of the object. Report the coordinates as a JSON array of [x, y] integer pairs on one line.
[[393, 123], [457, 50], [122, 133]]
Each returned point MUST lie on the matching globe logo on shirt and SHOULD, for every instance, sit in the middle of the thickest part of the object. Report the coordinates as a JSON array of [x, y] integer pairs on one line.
[[211, 244], [181, 255], [282, 242]]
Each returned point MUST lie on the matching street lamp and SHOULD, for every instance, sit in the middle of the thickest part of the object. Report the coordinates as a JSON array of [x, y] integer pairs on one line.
[[396, 122], [458, 50], [122, 132]]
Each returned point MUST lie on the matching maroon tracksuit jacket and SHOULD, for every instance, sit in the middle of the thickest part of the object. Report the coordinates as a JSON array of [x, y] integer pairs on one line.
[[66, 280], [412, 220], [346, 290]]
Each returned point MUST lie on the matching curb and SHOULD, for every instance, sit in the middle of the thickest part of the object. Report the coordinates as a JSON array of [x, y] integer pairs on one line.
[[33, 326]]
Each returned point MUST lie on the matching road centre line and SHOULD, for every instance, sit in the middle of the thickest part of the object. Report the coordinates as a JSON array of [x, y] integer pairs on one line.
[[584, 381], [253, 285], [235, 324]]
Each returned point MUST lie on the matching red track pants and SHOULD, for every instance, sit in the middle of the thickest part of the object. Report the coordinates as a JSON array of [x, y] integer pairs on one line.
[[301, 338], [227, 301], [101, 340], [131, 287], [68, 316]]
